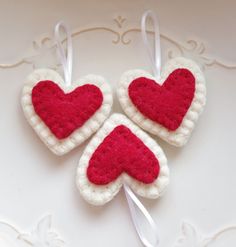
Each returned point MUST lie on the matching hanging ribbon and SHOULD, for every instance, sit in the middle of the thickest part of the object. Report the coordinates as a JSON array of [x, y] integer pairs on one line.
[[156, 58], [66, 60], [135, 205]]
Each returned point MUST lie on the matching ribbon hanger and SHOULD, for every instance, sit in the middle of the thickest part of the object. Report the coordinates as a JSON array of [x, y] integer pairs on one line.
[[136, 206], [66, 60], [155, 58]]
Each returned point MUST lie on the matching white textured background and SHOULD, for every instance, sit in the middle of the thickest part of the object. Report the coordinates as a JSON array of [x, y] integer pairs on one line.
[[34, 182]]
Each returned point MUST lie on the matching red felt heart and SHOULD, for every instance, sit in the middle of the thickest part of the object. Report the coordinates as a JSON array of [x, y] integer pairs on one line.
[[63, 113], [165, 104], [122, 151]]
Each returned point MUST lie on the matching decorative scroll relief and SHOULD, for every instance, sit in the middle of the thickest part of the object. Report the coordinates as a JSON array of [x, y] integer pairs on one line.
[[44, 47], [41, 236], [44, 236], [190, 237]]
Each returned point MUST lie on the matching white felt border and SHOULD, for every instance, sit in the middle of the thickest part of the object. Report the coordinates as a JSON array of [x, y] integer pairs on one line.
[[180, 136], [101, 194], [61, 147]]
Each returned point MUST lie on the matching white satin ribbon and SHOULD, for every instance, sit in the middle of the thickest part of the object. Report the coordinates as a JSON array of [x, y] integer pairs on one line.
[[66, 60], [134, 205], [156, 58]]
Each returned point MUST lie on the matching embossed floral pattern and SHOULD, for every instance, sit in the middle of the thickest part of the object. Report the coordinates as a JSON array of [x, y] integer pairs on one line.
[[190, 237], [43, 52], [41, 236]]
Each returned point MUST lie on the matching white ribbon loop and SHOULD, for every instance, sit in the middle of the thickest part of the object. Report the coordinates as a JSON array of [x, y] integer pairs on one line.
[[156, 58], [66, 61], [134, 206]]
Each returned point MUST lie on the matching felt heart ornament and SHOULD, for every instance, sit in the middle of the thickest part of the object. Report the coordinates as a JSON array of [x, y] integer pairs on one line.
[[121, 153], [65, 116], [170, 107]]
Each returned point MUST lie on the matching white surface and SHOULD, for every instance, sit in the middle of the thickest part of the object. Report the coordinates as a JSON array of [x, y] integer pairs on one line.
[[34, 182]]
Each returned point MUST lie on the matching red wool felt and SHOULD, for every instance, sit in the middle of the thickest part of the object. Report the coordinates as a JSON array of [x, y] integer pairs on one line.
[[122, 151], [63, 113], [166, 104]]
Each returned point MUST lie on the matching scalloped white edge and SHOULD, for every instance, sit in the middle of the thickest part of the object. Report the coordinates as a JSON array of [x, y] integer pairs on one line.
[[61, 147], [101, 194], [180, 136]]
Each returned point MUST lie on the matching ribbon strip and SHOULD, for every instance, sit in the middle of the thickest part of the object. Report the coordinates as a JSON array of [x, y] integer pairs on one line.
[[134, 205], [156, 59], [66, 61]]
